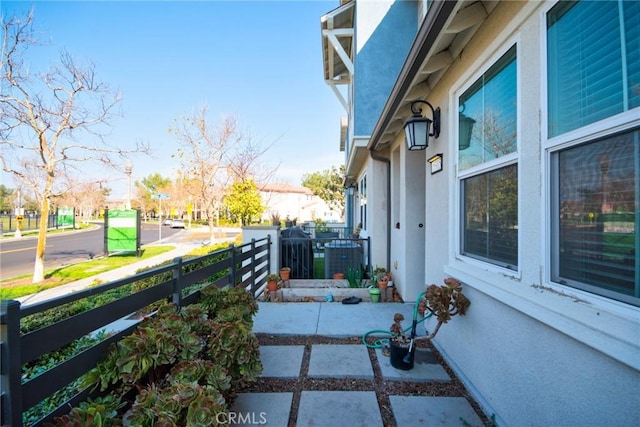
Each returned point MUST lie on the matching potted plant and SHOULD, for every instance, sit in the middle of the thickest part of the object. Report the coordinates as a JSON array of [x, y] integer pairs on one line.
[[285, 273], [382, 277], [272, 282], [441, 301], [374, 293], [275, 218]]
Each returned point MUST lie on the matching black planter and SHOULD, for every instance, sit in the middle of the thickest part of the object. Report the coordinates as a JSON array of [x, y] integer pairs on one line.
[[398, 353]]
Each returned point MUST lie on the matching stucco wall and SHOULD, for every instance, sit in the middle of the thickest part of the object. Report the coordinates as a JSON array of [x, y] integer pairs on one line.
[[532, 352], [529, 374], [385, 30]]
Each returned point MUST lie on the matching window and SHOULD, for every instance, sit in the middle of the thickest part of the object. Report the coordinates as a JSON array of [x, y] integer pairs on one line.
[[363, 201], [488, 172], [593, 68], [595, 200], [593, 62]]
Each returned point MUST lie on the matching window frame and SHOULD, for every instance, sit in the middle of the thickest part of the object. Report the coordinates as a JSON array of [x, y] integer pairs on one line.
[[362, 200], [489, 166], [551, 148]]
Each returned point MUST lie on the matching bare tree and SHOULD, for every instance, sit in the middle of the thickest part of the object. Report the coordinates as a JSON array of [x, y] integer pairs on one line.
[[212, 157], [51, 123]]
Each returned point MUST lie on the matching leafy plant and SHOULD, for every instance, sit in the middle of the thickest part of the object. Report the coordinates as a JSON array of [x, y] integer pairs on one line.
[[354, 277], [441, 301], [444, 302], [101, 412], [183, 365]]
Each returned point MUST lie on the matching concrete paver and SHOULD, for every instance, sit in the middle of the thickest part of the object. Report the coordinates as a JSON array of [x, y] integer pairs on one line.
[[271, 409], [412, 411], [336, 319], [286, 318], [340, 361], [339, 408], [425, 368], [281, 361]]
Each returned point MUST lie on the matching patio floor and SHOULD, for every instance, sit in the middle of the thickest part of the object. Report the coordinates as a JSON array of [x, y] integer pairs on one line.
[[307, 372]]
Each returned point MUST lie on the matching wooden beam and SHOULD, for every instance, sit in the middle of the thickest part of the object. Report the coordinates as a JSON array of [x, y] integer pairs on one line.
[[467, 17]]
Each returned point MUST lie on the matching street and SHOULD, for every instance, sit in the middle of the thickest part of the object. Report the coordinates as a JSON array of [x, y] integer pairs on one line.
[[17, 256]]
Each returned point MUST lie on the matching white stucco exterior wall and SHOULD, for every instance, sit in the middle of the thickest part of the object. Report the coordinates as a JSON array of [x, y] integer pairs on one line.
[[531, 351]]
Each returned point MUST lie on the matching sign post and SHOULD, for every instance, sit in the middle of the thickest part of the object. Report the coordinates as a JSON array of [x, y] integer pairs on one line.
[[160, 197]]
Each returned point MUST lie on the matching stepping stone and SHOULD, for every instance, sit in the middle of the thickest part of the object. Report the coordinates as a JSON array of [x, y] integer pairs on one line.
[[286, 318], [339, 408], [340, 361], [281, 361], [258, 409], [411, 411], [425, 368]]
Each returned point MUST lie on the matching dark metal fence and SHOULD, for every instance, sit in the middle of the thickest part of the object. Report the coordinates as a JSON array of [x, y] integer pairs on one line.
[[8, 223], [243, 266], [323, 256]]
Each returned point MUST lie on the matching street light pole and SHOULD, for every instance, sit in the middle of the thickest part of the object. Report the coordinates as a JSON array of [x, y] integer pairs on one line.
[[128, 168]]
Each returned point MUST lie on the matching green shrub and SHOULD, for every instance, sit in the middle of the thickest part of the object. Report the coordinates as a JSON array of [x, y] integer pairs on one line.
[[184, 365]]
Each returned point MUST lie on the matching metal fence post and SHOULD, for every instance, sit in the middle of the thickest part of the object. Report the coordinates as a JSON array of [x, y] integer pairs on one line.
[[253, 267], [177, 275], [269, 251], [10, 369], [232, 271]]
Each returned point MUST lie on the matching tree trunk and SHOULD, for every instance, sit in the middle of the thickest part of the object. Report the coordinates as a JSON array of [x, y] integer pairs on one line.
[[38, 268], [212, 229]]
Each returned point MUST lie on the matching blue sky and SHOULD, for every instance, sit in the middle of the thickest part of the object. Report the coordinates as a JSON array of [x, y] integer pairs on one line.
[[260, 61]]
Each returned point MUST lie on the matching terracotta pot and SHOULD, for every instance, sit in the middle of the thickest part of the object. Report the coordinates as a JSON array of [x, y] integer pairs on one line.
[[272, 286], [382, 284], [338, 276], [285, 275]]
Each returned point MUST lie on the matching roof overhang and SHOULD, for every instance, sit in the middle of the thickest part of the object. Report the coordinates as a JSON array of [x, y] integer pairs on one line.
[[337, 46], [445, 31]]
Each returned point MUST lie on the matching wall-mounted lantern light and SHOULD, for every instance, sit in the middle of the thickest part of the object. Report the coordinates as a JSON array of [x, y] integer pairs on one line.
[[465, 127], [351, 188], [416, 129]]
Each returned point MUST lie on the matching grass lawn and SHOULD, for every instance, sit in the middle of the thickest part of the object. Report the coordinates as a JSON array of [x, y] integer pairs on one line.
[[20, 286]]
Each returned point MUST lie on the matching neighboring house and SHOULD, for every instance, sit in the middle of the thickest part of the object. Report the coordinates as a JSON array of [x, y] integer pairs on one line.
[[535, 208], [293, 202]]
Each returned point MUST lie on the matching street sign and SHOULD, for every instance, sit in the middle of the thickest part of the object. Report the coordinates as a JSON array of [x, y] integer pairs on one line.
[[161, 196]]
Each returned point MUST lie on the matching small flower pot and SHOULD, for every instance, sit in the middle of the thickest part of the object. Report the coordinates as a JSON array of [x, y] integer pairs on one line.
[[272, 286], [398, 355], [375, 294], [285, 274], [382, 284], [338, 276]]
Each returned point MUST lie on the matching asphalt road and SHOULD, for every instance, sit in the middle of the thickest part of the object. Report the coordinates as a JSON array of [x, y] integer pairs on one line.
[[17, 256]]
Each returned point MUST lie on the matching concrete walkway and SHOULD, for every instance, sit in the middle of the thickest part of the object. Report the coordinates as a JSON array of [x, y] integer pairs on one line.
[[344, 408]]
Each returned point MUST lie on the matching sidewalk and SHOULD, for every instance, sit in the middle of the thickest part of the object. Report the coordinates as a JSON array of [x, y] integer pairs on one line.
[[361, 407], [184, 242]]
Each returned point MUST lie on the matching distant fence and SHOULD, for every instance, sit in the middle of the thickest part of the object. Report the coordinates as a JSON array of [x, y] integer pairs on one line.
[[8, 223], [323, 256], [243, 266]]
